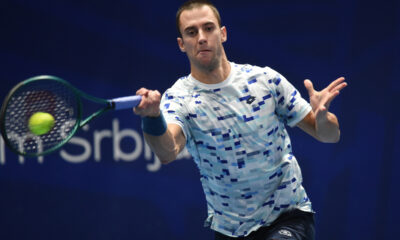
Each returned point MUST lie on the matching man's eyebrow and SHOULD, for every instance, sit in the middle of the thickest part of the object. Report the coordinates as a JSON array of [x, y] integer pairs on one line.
[[193, 27], [189, 28], [209, 23]]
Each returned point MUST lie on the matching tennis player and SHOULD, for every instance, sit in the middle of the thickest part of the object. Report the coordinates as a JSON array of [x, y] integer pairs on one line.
[[232, 118]]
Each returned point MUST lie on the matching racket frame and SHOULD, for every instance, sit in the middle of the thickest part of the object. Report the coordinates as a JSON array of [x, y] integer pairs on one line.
[[78, 124]]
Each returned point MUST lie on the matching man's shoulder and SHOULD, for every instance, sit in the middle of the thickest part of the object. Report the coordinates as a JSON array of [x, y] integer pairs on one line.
[[248, 72], [182, 86], [249, 68]]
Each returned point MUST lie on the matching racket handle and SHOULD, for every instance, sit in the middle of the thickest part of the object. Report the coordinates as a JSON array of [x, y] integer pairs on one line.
[[125, 102]]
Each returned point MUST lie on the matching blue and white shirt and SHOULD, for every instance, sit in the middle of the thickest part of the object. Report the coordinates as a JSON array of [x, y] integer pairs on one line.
[[235, 131]]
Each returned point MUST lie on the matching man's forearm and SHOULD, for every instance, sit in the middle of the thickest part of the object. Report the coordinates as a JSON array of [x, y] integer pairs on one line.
[[327, 130], [163, 146], [168, 145]]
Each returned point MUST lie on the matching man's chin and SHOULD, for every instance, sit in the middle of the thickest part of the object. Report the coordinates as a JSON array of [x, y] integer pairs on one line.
[[207, 64]]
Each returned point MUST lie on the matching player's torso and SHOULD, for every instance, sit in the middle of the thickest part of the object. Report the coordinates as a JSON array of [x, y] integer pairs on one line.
[[235, 127]]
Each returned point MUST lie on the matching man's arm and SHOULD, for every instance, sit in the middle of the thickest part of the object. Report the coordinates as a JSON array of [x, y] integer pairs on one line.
[[327, 131], [319, 122], [171, 141], [169, 145]]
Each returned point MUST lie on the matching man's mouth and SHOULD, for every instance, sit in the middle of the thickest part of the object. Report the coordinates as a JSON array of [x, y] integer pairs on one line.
[[204, 51]]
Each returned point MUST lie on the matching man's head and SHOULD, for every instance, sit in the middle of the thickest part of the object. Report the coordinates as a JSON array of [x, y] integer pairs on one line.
[[202, 35], [189, 5]]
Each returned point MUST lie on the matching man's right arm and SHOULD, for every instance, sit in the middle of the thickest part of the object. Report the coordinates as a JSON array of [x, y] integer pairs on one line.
[[169, 143]]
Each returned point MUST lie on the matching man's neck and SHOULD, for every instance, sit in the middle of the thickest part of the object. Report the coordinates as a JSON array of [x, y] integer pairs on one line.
[[217, 75]]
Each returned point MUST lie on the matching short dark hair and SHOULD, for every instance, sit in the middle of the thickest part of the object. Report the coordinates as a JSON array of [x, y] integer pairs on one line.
[[189, 5]]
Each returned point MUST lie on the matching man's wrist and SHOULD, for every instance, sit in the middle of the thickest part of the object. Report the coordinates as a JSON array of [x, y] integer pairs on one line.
[[155, 126]]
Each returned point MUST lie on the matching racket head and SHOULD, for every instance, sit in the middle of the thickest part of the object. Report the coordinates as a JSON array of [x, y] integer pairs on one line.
[[48, 94]]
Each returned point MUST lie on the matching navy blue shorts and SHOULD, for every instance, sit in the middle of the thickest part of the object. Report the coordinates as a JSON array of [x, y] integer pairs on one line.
[[292, 225]]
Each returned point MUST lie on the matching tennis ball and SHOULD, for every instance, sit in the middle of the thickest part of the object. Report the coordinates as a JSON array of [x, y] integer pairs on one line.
[[41, 123]]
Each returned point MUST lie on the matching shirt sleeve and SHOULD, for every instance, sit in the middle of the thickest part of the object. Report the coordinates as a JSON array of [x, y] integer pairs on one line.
[[290, 107], [174, 111]]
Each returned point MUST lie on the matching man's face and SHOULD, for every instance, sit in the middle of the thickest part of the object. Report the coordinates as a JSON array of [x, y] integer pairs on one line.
[[202, 38]]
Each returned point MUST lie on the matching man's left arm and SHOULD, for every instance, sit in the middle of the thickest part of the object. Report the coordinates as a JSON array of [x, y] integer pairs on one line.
[[319, 122]]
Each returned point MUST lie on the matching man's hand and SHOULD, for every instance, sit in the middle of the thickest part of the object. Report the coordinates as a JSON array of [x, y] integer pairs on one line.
[[320, 123], [321, 100], [150, 104], [168, 145]]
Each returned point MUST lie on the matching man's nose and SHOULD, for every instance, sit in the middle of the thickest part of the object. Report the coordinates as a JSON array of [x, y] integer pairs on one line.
[[202, 37]]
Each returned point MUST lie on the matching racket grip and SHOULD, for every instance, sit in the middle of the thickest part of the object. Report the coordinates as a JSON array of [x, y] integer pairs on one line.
[[126, 102]]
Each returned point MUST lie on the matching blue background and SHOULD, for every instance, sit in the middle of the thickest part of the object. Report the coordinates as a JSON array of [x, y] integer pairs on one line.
[[112, 48]]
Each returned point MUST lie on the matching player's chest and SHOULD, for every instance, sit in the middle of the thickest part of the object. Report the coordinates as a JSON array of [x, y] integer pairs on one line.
[[231, 107]]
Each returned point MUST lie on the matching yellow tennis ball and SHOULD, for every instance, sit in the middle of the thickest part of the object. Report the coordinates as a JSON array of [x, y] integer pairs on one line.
[[41, 123]]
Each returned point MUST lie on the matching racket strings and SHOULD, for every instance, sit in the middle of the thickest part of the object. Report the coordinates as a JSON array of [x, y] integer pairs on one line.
[[47, 96]]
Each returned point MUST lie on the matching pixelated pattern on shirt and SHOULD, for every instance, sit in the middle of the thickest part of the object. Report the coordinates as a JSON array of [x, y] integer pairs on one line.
[[237, 137]]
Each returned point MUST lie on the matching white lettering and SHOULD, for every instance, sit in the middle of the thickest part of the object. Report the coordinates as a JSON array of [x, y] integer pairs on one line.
[[98, 137], [77, 141], [155, 166], [147, 151], [40, 159], [2, 152], [79, 149], [118, 136], [21, 140], [87, 151]]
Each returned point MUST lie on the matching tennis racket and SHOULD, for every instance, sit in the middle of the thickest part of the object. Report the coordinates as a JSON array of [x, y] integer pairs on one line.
[[54, 96]]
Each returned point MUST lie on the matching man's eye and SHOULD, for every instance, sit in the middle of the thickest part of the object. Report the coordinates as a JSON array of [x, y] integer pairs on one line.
[[191, 33], [209, 29]]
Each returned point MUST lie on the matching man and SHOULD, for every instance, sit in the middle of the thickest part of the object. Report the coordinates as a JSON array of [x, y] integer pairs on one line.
[[231, 117]]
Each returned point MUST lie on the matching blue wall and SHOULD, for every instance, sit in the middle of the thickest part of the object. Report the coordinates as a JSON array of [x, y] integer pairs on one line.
[[116, 189]]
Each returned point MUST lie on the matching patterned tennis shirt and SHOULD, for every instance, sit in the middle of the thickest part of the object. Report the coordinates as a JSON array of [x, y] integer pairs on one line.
[[235, 131]]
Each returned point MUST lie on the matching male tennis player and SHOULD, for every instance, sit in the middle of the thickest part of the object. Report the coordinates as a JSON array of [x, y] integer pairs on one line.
[[232, 117]]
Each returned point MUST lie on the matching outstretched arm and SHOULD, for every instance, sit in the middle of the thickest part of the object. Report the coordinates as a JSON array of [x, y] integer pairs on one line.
[[170, 141], [320, 123]]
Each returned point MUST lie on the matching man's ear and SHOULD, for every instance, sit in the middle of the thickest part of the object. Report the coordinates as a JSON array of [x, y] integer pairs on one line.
[[181, 44], [224, 34]]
